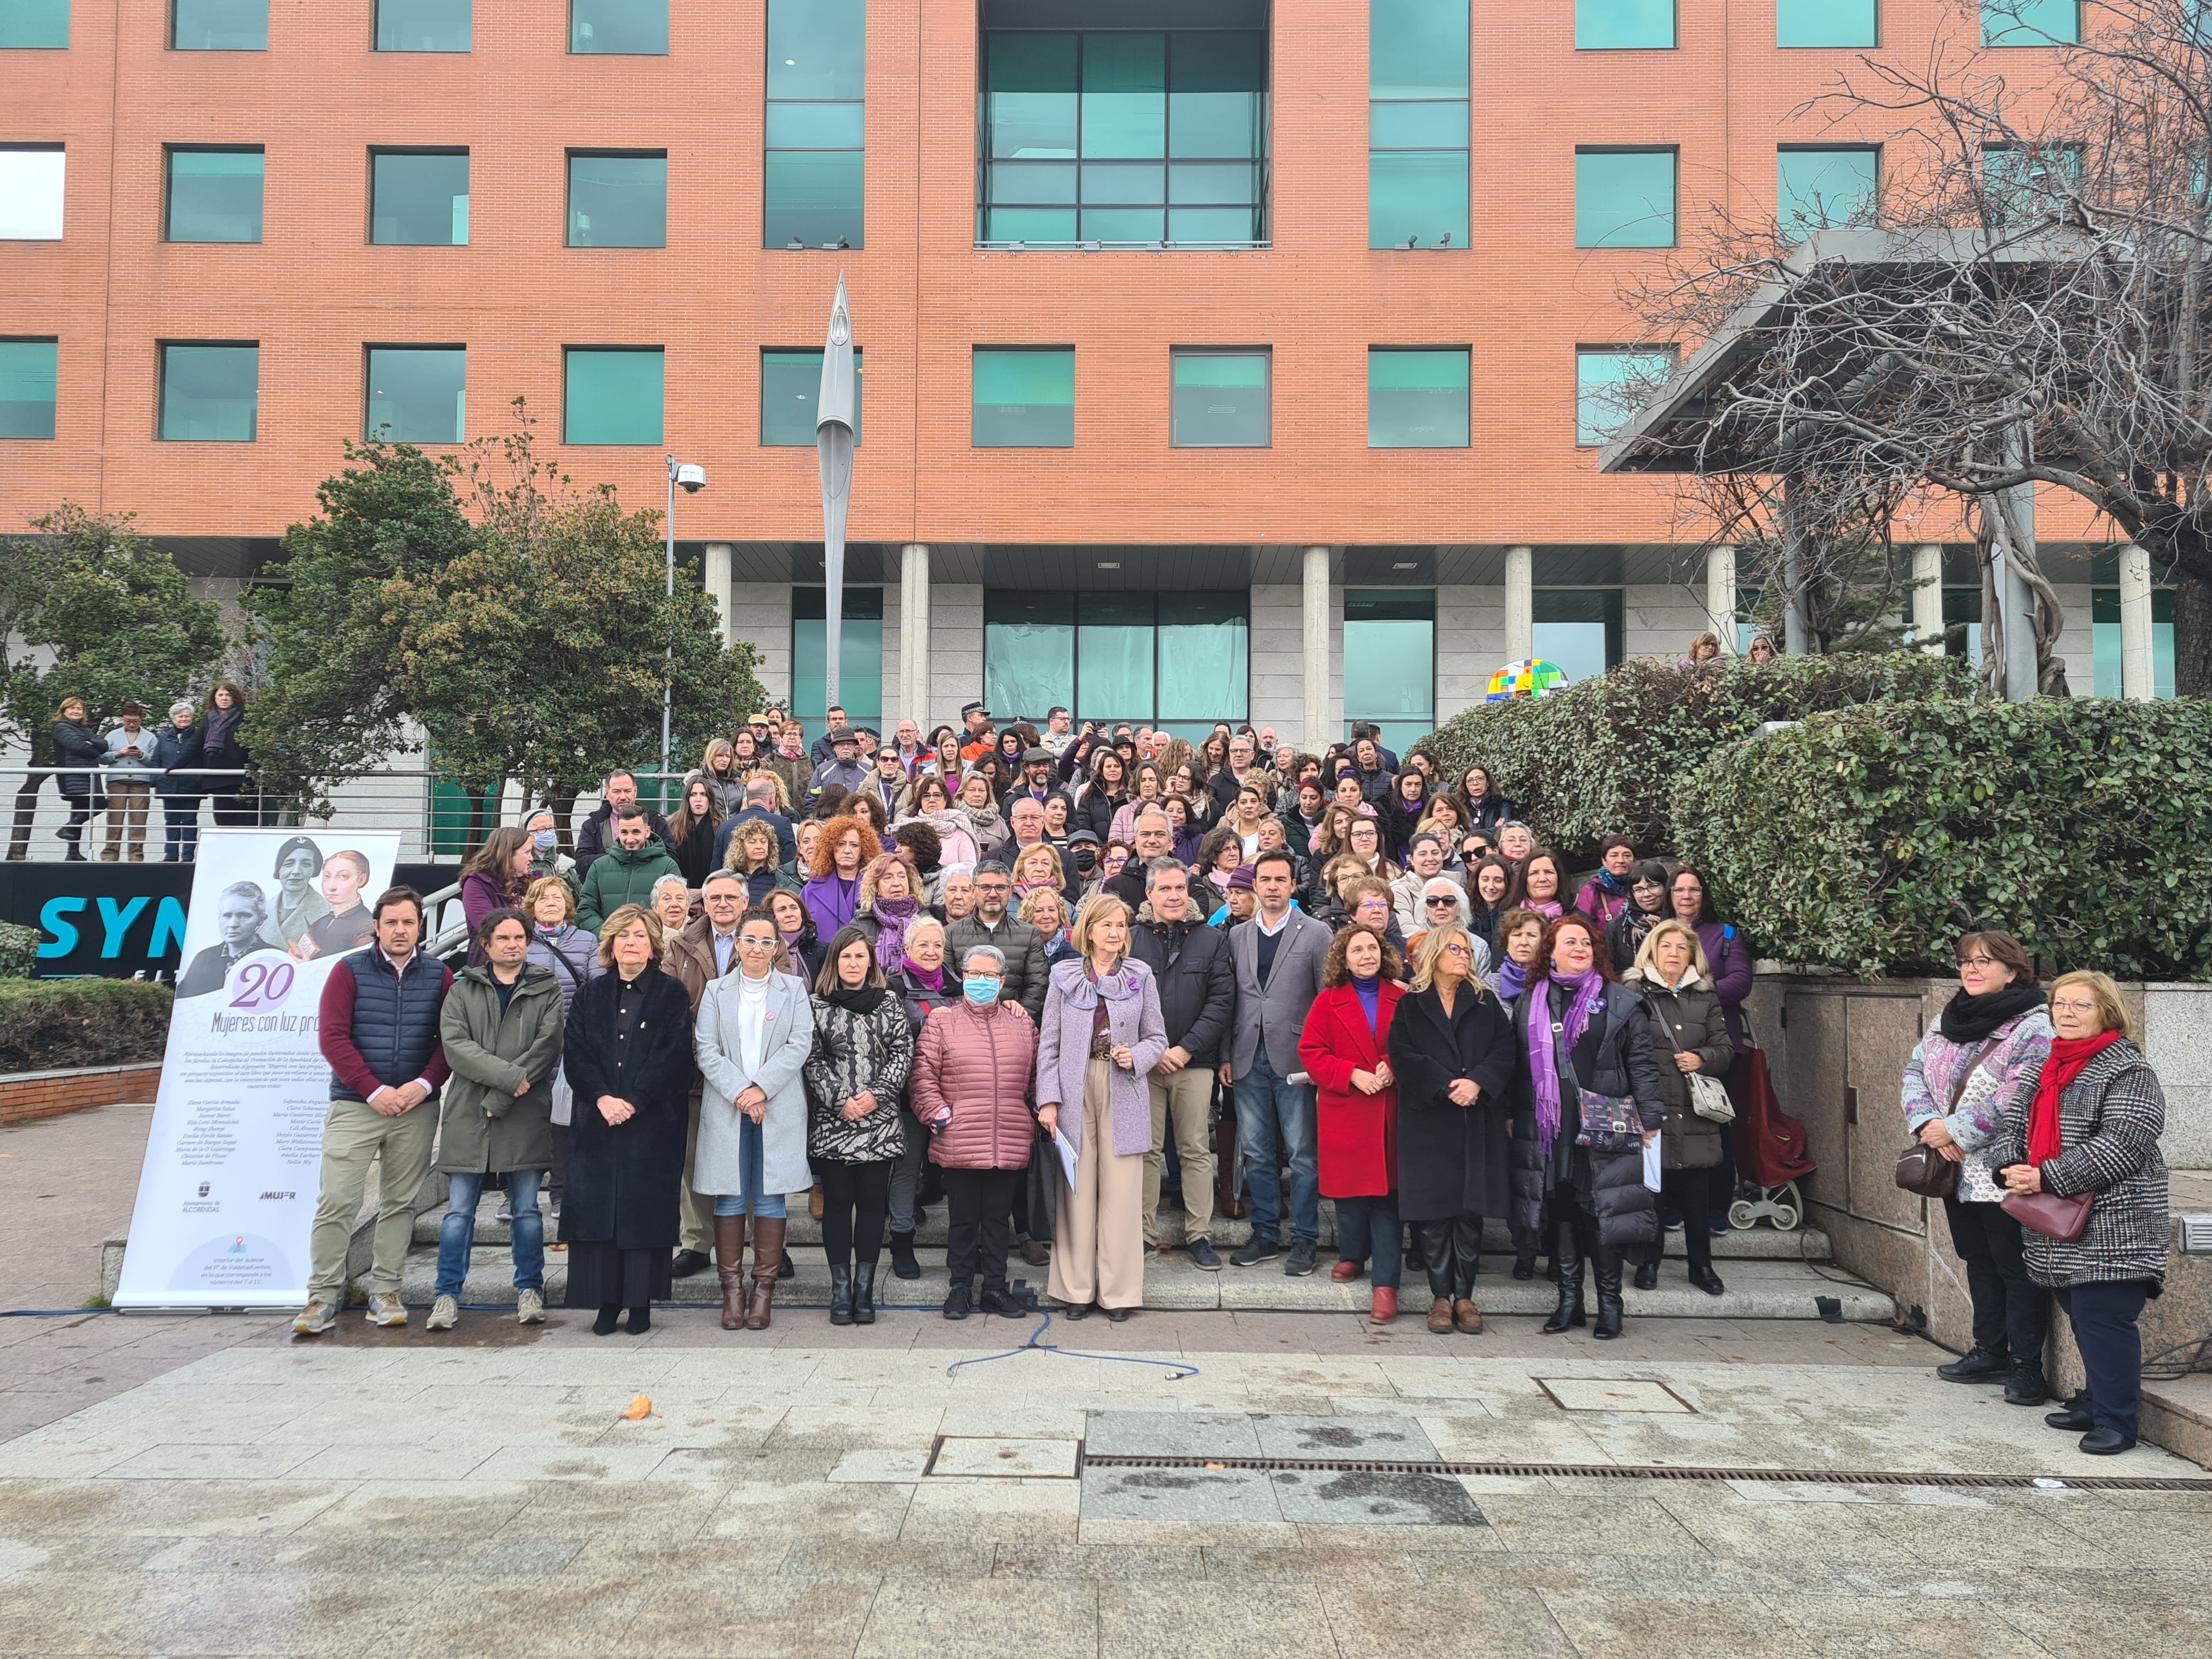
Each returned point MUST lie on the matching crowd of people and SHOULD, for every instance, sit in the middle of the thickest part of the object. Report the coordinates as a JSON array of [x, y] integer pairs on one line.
[[189, 757], [882, 972]]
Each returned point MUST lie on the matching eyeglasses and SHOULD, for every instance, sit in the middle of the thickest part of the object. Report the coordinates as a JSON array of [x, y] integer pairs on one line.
[[1440, 898], [1456, 951], [1977, 962]]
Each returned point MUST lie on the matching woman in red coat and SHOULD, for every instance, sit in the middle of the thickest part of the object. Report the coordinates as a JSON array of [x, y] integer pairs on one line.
[[1345, 1049]]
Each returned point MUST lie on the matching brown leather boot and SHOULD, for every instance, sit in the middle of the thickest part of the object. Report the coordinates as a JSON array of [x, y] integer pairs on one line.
[[730, 1268], [767, 1255]]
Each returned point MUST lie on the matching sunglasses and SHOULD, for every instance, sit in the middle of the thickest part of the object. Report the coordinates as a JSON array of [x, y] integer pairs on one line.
[[1440, 898]]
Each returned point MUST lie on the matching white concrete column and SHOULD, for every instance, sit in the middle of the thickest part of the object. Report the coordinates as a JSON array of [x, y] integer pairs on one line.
[[2138, 668], [1928, 598], [1720, 596], [914, 636], [718, 585], [1313, 618], [1520, 603]]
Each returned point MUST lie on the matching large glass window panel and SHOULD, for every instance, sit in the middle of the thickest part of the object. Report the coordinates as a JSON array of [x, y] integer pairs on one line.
[[2105, 627], [1231, 225], [817, 50], [612, 395], [418, 394], [1114, 655], [1417, 126], [791, 386], [1624, 198], [1419, 195], [2025, 183], [1125, 95], [1624, 24], [26, 387], [1416, 49], [2031, 22], [1198, 184], [1389, 657], [1033, 183], [220, 24], [34, 23], [1962, 610], [1146, 225], [419, 198], [1217, 93], [617, 201], [1220, 400], [32, 179], [1610, 386], [1818, 187], [1826, 23], [1031, 101], [210, 393], [1205, 653], [424, 25], [634, 28], [1023, 398], [214, 196], [817, 125], [1417, 400], [1123, 183], [1016, 224], [1578, 629], [1028, 652], [860, 657], [814, 197]]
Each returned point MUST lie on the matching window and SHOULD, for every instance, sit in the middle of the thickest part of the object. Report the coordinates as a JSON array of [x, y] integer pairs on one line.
[[26, 388], [214, 196], [424, 25], [1024, 398], [1416, 399], [814, 174], [419, 198], [1180, 660], [1624, 198], [41, 23], [612, 395], [790, 383], [1818, 188], [1611, 384], [2103, 624], [418, 394], [210, 393], [2031, 22], [1624, 24], [1129, 139], [219, 26], [1826, 23], [31, 179], [629, 28], [860, 657], [2019, 183], [1220, 400], [1390, 662], [1962, 610], [1578, 629], [617, 200], [1416, 124]]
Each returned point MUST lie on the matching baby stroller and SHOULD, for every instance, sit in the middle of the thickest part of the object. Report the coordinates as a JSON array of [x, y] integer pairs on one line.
[[1770, 1146]]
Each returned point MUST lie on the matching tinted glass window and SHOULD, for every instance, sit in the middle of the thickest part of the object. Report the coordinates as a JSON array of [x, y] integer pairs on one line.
[[817, 124], [1220, 400], [1023, 398], [613, 396], [26, 388], [617, 201], [637, 29], [1826, 23], [1416, 399], [214, 196], [418, 394], [219, 26], [790, 385], [1617, 25], [424, 25], [210, 393]]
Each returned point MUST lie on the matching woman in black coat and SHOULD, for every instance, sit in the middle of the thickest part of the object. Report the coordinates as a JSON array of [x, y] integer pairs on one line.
[[629, 1063], [1451, 1050], [1580, 1038], [77, 746]]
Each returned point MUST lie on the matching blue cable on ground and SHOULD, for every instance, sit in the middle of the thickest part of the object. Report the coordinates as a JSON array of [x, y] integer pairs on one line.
[[1180, 1368]]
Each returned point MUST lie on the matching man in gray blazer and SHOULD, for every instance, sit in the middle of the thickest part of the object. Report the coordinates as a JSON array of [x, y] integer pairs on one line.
[[1278, 956]]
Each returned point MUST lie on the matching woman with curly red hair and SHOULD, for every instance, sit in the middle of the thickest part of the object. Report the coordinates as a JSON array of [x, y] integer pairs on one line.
[[846, 847]]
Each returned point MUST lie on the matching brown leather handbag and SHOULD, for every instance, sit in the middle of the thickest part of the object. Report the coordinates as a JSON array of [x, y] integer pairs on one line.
[[1923, 1169]]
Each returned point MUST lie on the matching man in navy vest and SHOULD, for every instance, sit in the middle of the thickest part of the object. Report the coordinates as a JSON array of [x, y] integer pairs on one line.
[[378, 1030]]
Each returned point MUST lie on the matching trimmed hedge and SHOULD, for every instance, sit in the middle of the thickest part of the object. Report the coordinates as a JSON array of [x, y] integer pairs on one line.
[[1602, 757], [1869, 839], [19, 951], [49, 1024]]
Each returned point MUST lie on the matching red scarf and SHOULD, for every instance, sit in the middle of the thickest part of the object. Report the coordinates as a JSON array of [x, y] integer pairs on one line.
[[2068, 1058]]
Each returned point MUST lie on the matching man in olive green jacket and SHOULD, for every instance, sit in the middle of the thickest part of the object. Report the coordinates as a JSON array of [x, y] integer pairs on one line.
[[626, 875]]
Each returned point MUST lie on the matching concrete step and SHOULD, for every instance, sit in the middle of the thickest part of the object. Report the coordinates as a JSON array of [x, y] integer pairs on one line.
[[1748, 1244], [1756, 1289]]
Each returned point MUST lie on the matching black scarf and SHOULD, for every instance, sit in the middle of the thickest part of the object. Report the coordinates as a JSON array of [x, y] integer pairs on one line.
[[1970, 1019], [863, 1001]]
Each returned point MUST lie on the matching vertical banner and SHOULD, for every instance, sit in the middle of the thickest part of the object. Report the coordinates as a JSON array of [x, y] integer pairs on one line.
[[234, 1159]]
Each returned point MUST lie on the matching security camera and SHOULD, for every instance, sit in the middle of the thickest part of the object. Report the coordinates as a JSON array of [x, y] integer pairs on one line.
[[693, 479]]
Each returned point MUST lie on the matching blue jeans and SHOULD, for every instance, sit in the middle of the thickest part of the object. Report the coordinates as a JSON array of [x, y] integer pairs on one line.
[[181, 838], [1267, 1106], [457, 1234], [749, 1197]]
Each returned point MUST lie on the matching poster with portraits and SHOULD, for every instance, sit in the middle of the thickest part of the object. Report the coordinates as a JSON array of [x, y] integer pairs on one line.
[[233, 1158]]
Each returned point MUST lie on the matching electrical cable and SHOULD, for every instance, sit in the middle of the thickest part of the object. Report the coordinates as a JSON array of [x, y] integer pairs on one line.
[[1181, 1368]]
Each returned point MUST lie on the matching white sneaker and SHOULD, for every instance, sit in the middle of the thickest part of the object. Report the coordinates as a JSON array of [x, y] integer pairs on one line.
[[314, 1319], [530, 1309], [386, 1308], [445, 1314]]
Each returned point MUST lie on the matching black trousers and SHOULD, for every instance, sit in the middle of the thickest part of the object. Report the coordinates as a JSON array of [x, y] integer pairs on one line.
[[976, 1206], [1693, 1194], [2103, 1319], [1453, 1248], [856, 1198], [2012, 1312]]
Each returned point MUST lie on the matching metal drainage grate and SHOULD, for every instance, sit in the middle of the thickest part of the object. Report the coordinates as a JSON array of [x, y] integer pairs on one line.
[[1634, 1472]]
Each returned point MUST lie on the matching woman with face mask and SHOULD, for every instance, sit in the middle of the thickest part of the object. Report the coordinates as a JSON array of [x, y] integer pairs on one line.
[[546, 858]]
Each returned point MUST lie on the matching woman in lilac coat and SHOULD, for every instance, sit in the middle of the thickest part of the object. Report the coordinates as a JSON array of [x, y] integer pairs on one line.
[[1100, 1036]]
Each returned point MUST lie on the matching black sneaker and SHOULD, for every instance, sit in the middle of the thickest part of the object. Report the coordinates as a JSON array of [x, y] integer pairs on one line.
[[2024, 1384], [1257, 1250], [1979, 1365], [1302, 1259], [957, 1302], [998, 1299], [1202, 1255]]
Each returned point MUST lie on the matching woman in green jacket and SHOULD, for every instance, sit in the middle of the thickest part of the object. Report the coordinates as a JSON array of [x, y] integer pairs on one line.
[[502, 1025]]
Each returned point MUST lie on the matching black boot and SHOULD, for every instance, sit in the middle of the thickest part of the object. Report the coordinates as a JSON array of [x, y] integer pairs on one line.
[[1524, 1254], [1567, 1250], [787, 1268], [1647, 1271], [641, 1320], [2024, 1384], [604, 1324], [1605, 1268], [840, 1296], [864, 1293], [902, 1262], [1416, 1254], [1979, 1365]]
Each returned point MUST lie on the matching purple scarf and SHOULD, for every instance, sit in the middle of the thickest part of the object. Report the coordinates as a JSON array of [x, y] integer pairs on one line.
[[930, 979], [892, 915], [1511, 982], [1589, 988]]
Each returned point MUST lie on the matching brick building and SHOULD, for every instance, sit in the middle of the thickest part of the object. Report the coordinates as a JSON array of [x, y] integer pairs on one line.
[[1221, 359]]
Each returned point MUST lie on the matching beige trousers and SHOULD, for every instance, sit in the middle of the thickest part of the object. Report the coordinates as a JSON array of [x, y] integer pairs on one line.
[[355, 1135], [1098, 1248], [1185, 1096]]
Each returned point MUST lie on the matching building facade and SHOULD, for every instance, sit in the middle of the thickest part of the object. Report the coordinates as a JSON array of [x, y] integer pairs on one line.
[[1221, 359]]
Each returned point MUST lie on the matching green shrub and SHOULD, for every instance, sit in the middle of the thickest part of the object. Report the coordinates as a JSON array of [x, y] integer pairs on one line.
[[49, 1024], [19, 951], [1869, 839], [1602, 757]]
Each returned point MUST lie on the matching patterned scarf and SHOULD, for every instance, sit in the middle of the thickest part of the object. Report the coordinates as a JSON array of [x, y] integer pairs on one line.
[[893, 916], [1588, 989]]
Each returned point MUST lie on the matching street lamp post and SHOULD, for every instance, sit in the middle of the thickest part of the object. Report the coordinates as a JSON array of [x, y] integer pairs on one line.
[[694, 479], [833, 447]]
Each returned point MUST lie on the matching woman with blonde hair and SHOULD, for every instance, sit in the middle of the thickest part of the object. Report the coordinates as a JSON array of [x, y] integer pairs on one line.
[[1689, 1038], [1037, 869], [1046, 911], [890, 900], [726, 778], [753, 854]]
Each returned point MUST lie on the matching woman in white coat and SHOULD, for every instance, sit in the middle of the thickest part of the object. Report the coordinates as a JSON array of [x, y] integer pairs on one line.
[[753, 1035]]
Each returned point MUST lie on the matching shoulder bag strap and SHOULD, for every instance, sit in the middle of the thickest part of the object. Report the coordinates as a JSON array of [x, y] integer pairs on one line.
[[1966, 1073]]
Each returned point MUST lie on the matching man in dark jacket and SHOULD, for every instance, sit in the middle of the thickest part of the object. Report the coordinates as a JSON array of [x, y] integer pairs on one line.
[[595, 839], [759, 803], [1198, 1000], [379, 1028], [1023, 946], [844, 767], [1154, 839], [824, 747]]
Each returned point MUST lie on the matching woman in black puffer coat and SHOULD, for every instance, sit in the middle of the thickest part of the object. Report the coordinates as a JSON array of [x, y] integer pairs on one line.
[[1578, 1035]]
